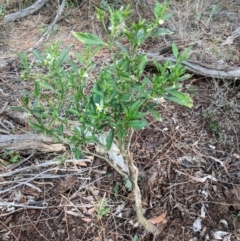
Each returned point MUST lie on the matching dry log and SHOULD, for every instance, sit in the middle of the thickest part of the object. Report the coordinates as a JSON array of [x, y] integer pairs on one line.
[[17, 117], [25, 12], [197, 68], [29, 142]]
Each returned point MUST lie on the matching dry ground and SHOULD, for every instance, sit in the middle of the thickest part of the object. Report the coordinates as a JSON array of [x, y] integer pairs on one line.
[[189, 161]]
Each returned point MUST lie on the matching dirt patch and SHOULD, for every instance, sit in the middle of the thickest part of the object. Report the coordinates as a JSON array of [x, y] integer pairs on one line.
[[189, 162]]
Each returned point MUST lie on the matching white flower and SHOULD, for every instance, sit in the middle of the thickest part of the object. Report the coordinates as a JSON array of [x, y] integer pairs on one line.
[[99, 107], [85, 75], [160, 22]]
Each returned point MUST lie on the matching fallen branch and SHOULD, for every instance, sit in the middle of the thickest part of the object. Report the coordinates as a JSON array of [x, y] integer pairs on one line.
[[29, 142], [25, 12], [196, 68]]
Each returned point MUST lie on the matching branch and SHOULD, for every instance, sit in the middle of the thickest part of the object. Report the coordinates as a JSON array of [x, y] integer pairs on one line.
[[28, 142], [25, 12], [57, 18], [197, 68]]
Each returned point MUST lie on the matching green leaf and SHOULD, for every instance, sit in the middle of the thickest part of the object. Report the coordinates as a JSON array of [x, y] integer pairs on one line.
[[73, 111], [46, 86], [179, 98], [123, 49], [161, 31], [99, 93], [109, 139], [175, 50], [80, 58], [77, 154], [18, 108], [155, 114], [135, 238], [138, 124], [166, 17], [37, 55], [138, 115], [128, 183], [88, 39], [134, 107], [184, 77], [64, 55], [37, 88], [116, 190], [14, 158], [143, 62], [157, 10], [37, 127]]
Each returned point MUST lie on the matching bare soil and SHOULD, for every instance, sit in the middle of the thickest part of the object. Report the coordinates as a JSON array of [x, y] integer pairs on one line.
[[189, 162]]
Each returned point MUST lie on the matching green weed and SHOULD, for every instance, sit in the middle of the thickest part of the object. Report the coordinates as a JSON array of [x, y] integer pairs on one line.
[[11, 156], [102, 208]]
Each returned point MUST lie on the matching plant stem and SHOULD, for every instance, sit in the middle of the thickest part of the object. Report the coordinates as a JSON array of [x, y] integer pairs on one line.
[[138, 203], [137, 194]]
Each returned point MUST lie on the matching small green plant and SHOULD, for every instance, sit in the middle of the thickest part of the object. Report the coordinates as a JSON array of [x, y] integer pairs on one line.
[[116, 190], [45, 28], [110, 4], [191, 89], [102, 208], [121, 95], [10, 156], [135, 238], [214, 126], [2, 10], [79, 104], [213, 10], [212, 123], [235, 214]]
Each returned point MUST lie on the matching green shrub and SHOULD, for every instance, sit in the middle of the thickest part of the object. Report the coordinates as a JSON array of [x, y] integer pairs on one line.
[[69, 105]]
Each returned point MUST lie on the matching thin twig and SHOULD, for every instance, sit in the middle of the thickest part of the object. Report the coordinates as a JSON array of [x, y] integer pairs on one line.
[[44, 164], [47, 34], [9, 230]]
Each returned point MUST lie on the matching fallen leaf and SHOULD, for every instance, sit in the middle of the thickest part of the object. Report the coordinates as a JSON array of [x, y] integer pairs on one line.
[[88, 220], [203, 179], [91, 211], [197, 225], [235, 154], [79, 163], [228, 41], [219, 235], [224, 223], [158, 219], [203, 213]]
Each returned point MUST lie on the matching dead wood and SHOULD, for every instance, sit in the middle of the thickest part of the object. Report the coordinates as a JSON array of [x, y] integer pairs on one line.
[[197, 68], [29, 142], [15, 116], [25, 12], [51, 27]]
